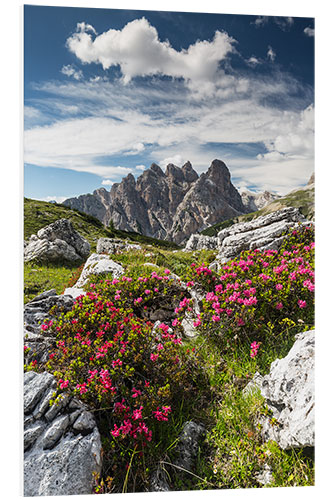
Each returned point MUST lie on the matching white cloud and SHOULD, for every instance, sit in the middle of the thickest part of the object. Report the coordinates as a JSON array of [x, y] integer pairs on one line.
[[253, 61], [69, 70], [136, 149], [139, 52], [58, 199], [271, 54], [284, 23], [84, 27], [261, 21], [309, 31], [107, 182], [31, 112], [140, 167], [176, 160]]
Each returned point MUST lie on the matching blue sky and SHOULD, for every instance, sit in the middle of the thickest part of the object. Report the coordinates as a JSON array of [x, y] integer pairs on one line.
[[108, 92]]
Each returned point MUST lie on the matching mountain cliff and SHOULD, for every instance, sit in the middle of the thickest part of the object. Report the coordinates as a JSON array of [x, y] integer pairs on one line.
[[166, 205]]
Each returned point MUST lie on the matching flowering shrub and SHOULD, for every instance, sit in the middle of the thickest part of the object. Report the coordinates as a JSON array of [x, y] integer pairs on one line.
[[107, 353], [258, 288]]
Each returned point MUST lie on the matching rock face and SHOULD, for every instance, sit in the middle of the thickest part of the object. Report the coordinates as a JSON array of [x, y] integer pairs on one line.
[[187, 454], [201, 242], [289, 393], [255, 201], [57, 242], [166, 205], [35, 312], [288, 390], [98, 264], [114, 246], [62, 446], [264, 232]]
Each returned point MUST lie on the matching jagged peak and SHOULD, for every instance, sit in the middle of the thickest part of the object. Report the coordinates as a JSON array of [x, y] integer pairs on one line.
[[189, 173], [129, 179], [174, 172], [156, 169]]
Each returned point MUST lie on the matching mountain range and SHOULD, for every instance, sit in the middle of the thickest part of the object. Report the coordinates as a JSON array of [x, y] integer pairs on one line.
[[170, 205]]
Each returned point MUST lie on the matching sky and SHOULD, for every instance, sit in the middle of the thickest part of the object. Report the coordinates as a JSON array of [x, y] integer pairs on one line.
[[107, 92]]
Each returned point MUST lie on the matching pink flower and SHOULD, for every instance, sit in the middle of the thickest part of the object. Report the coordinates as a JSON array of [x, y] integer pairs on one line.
[[136, 393], [279, 305], [254, 349], [215, 318], [147, 292], [153, 357], [301, 303], [279, 286], [167, 271], [63, 383], [137, 414], [115, 432]]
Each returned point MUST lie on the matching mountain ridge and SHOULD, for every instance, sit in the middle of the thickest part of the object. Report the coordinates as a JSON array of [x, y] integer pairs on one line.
[[167, 205]]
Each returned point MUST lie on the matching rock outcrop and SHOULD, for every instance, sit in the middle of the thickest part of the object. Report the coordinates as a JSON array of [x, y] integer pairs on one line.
[[201, 242], [62, 446], [114, 245], [289, 393], [166, 205], [288, 390], [98, 264], [35, 313], [264, 232], [57, 242]]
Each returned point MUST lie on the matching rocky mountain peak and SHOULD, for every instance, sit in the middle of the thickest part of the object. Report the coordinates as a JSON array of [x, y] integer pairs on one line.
[[218, 172], [174, 172], [190, 175], [156, 169], [170, 205], [129, 180]]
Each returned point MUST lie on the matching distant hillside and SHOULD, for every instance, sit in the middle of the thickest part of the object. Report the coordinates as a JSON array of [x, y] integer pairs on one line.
[[38, 214], [302, 198]]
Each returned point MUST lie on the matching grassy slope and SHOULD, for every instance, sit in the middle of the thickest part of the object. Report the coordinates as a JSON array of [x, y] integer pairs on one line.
[[38, 214], [302, 199]]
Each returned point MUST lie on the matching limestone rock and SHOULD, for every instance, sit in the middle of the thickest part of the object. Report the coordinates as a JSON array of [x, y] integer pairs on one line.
[[289, 393], [61, 453], [264, 232], [114, 246], [98, 264], [188, 444], [201, 242], [35, 312], [57, 242]]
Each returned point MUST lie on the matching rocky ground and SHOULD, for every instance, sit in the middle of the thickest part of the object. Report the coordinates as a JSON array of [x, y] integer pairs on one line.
[[62, 442]]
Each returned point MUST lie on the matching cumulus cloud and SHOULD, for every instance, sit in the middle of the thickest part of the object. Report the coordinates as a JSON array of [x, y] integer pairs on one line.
[[140, 167], [271, 54], [107, 182], [309, 31], [139, 52], [69, 70], [297, 140]]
